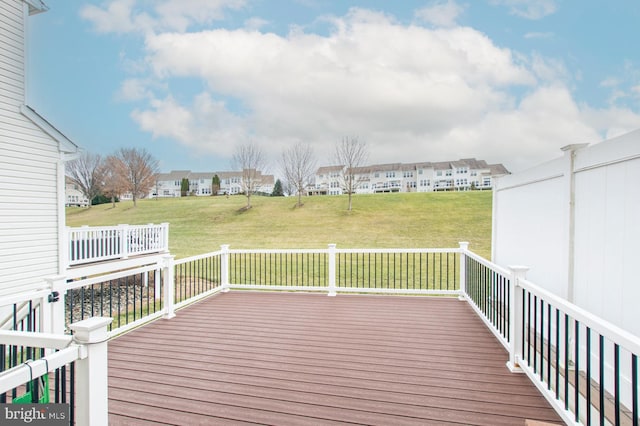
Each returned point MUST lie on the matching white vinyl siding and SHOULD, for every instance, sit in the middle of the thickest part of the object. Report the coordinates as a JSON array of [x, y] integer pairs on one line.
[[12, 52], [28, 172]]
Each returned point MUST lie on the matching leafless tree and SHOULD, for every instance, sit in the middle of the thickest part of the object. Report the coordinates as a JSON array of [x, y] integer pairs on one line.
[[351, 153], [250, 159], [87, 173], [114, 179], [298, 166], [137, 169]]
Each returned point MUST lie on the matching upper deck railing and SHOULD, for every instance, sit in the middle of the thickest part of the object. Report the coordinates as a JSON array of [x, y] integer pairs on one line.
[[95, 244]]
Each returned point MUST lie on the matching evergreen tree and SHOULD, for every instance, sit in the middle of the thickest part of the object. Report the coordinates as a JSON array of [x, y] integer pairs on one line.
[[184, 187], [277, 189], [215, 185]]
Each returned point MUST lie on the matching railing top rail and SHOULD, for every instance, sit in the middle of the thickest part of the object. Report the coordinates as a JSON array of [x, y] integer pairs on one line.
[[36, 340], [597, 324], [275, 251], [197, 257], [25, 372], [400, 250], [23, 297], [488, 264]]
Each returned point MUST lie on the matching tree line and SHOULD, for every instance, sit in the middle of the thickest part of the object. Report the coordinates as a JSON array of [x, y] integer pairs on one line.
[[128, 170], [134, 171]]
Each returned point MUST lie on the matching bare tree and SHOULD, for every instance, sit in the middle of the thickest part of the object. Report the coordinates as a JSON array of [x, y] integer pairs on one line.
[[250, 159], [87, 172], [137, 169], [298, 166], [351, 153], [114, 183]]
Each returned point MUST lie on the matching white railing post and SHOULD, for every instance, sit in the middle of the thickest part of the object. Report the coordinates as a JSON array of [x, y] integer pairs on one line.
[[332, 269], [464, 246], [165, 236], [123, 230], [224, 267], [53, 320], [169, 286], [92, 403], [515, 318]]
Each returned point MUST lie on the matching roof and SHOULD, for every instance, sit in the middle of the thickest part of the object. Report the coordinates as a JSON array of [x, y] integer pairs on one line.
[[64, 143], [36, 6]]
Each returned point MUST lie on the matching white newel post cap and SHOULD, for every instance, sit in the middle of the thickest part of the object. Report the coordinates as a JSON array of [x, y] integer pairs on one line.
[[519, 270], [91, 330], [464, 245]]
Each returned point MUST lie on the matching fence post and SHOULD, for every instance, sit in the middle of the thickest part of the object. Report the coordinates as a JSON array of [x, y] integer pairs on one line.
[[332, 270], [123, 231], [165, 236], [515, 318], [224, 267], [92, 403], [169, 286], [464, 246], [53, 321]]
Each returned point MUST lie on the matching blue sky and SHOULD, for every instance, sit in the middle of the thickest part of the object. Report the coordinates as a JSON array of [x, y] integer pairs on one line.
[[509, 81]]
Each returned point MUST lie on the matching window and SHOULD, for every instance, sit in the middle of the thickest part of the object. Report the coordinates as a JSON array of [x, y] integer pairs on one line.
[[474, 173], [408, 174], [420, 171], [424, 182], [390, 174], [411, 184], [439, 173], [377, 175], [448, 173]]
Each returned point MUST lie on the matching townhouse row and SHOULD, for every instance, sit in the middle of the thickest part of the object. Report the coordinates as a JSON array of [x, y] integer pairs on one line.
[[461, 175]]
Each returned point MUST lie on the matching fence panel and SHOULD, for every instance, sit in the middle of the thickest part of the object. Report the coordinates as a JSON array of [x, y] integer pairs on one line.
[[196, 276], [292, 269], [417, 270]]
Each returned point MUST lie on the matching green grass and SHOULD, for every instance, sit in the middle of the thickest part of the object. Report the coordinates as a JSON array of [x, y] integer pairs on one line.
[[402, 220]]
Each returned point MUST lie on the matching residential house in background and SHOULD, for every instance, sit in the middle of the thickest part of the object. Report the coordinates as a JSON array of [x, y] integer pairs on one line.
[[201, 184], [461, 175], [32, 163], [74, 197]]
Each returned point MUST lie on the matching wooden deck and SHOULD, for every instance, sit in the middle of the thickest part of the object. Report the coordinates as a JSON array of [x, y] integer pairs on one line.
[[306, 359]]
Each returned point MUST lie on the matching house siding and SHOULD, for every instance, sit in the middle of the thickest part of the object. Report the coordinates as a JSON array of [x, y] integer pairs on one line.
[[29, 161]]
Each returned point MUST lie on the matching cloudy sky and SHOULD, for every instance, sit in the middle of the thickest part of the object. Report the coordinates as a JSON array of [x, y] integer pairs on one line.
[[507, 81]]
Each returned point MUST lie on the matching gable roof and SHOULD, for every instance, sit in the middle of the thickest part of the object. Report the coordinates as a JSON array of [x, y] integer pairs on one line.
[[36, 6], [64, 143]]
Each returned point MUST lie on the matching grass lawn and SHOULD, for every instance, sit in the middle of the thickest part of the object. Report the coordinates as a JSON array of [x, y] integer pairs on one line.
[[400, 220]]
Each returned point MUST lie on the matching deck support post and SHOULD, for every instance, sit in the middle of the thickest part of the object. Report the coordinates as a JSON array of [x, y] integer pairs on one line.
[[224, 267], [332, 269], [464, 246], [92, 403], [169, 286], [515, 318]]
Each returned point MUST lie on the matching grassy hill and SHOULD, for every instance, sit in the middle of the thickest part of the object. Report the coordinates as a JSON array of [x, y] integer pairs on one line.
[[414, 220]]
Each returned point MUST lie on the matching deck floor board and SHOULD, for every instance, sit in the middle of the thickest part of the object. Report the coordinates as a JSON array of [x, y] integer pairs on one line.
[[309, 359]]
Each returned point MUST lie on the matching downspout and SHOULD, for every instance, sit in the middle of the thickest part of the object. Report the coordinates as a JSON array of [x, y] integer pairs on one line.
[[570, 152]]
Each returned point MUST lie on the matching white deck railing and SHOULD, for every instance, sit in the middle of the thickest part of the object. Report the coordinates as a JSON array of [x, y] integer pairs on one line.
[[578, 362], [95, 244]]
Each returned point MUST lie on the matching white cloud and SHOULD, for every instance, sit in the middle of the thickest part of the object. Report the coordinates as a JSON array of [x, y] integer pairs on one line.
[[255, 23], [206, 126], [538, 35], [440, 13], [124, 16], [412, 93], [529, 9]]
